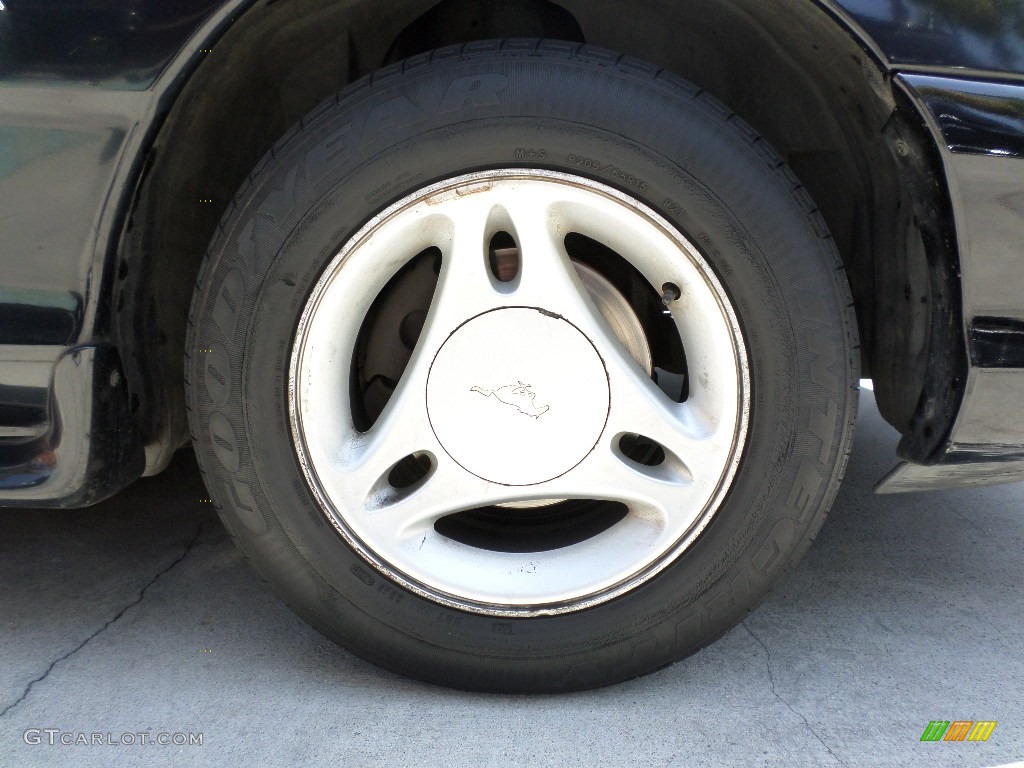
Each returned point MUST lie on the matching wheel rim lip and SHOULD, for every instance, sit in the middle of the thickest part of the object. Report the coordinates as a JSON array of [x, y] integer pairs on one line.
[[671, 554]]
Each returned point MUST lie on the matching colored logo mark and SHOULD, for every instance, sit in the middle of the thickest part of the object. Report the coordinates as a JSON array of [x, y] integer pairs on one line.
[[958, 730]]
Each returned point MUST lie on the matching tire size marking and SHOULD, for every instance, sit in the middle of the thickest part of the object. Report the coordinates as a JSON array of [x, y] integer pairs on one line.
[[608, 169], [389, 593], [587, 162], [674, 207], [361, 574]]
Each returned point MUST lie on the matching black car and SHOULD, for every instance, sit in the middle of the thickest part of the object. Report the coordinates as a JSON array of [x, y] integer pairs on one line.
[[519, 341]]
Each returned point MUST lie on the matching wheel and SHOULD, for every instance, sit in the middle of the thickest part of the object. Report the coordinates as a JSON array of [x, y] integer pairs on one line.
[[522, 366]]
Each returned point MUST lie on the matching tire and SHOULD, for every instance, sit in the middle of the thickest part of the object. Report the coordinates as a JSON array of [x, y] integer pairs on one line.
[[309, 246]]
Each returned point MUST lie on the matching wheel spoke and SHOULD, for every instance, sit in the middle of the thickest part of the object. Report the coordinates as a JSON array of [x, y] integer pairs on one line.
[[639, 407], [465, 287], [547, 277], [549, 280], [357, 477], [652, 493], [402, 429], [411, 513]]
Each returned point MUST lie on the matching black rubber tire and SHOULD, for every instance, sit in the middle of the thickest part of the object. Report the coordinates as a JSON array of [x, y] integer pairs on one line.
[[561, 106]]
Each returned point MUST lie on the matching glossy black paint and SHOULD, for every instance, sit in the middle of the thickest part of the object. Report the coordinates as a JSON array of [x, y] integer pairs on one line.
[[79, 90], [997, 342], [39, 317], [107, 43], [985, 118], [83, 85], [56, 177], [90, 447], [944, 34]]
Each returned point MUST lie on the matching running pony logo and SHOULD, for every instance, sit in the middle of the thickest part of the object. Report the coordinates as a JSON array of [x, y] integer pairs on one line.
[[518, 395]]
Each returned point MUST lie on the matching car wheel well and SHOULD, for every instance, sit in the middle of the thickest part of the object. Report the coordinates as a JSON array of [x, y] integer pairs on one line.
[[856, 143]]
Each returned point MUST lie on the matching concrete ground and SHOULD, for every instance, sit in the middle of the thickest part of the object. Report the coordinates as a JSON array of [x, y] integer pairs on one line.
[[138, 616]]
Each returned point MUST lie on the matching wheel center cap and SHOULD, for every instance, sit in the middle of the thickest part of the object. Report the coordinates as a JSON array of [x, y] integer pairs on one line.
[[518, 396]]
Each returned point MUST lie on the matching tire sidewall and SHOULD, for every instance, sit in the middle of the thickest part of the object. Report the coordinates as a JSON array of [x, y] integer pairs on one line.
[[404, 130]]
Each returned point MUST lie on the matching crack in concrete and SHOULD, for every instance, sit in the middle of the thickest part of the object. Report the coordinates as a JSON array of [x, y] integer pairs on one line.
[[775, 693], [142, 594]]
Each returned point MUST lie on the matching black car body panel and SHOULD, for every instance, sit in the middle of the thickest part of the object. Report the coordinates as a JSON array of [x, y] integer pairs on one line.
[[979, 118], [108, 44], [81, 86], [920, 35], [86, 86]]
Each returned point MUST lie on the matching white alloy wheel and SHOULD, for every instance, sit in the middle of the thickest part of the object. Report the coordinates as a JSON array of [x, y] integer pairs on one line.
[[519, 393]]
